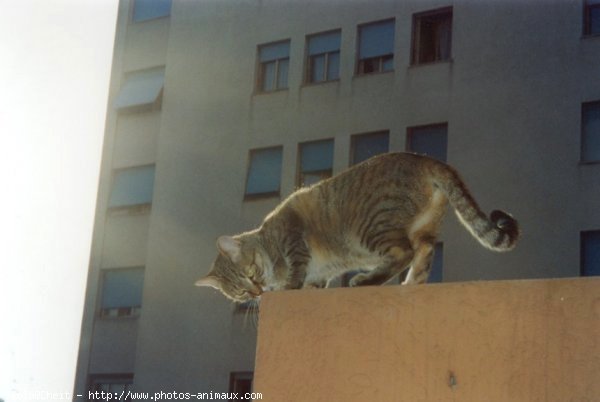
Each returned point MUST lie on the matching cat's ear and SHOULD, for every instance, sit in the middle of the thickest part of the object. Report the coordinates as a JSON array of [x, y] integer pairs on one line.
[[210, 281], [230, 248]]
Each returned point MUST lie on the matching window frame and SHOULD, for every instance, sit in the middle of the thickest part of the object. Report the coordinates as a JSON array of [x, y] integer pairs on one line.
[[379, 60], [260, 77], [410, 131], [300, 172], [353, 140], [415, 42], [583, 133], [309, 57], [268, 194], [587, 22]]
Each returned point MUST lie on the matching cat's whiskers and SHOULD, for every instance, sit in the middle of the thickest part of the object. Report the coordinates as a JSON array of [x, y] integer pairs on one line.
[[252, 313]]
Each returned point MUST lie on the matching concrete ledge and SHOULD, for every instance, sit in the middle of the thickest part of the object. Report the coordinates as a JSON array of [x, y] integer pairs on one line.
[[505, 341]]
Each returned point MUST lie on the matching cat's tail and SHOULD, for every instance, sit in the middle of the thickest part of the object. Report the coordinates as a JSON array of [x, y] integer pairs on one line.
[[498, 232]]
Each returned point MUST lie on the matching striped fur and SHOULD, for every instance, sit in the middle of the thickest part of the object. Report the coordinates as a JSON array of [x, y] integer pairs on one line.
[[381, 216]]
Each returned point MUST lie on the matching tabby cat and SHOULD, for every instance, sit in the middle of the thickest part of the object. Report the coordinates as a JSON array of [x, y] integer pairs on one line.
[[381, 216]]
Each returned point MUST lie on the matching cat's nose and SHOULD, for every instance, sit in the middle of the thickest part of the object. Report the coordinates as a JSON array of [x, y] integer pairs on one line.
[[256, 291]]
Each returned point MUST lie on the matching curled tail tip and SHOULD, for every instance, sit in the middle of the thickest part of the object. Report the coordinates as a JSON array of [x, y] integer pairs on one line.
[[509, 227]]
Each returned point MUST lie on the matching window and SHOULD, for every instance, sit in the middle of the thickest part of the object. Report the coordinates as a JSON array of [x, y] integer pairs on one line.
[[315, 162], [118, 384], [429, 140], [591, 17], [274, 60], [323, 62], [264, 172], [376, 47], [590, 132], [364, 146], [590, 253], [241, 382], [132, 187], [141, 90], [432, 36], [144, 10], [122, 292]]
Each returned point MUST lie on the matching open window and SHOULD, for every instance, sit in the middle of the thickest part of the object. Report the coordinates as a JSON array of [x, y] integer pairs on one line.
[[432, 36], [141, 90]]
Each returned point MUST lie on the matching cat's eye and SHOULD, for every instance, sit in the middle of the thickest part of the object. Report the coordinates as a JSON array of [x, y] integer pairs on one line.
[[251, 270]]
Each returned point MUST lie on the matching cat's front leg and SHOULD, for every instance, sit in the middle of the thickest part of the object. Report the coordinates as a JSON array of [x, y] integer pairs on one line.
[[296, 277], [296, 262], [298, 258]]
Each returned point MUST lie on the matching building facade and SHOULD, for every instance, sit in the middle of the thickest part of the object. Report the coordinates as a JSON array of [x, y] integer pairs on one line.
[[219, 109]]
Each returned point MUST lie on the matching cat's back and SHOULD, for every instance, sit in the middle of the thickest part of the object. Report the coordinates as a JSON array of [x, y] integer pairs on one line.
[[381, 180], [384, 172]]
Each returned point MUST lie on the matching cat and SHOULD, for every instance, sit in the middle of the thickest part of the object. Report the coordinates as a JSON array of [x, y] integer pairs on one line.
[[381, 216]]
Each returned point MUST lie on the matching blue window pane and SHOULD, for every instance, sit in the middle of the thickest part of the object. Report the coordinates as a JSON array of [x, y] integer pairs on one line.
[[308, 179], [590, 136], [133, 186], [368, 145], [436, 275], [316, 156], [590, 253], [317, 68], [429, 140], [144, 10], [324, 43], [268, 76], [275, 51], [122, 288], [376, 39], [387, 63], [282, 74], [264, 173], [444, 39], [333, 66]]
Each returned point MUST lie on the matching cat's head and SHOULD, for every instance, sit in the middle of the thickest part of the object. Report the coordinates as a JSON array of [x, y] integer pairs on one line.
[[239, 269]]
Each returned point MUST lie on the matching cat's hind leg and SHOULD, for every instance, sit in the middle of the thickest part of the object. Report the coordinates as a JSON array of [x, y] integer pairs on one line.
[[397, 259], [421, 264], [315, 284]]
